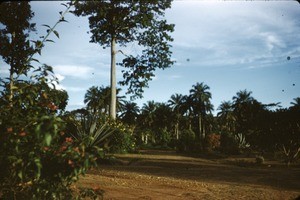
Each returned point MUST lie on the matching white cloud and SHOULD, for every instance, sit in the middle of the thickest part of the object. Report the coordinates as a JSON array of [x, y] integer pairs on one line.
[[73, 105], [75, 71], [174, 77], [75, 89], [59, 77], [272, 41], [232, 33]]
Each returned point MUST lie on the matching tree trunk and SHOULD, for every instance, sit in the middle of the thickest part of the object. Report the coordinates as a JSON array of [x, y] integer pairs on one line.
[[190, 123], [11, 85], [200, 126], [113, 97], [177, 130], [11, 74], [203, 131]]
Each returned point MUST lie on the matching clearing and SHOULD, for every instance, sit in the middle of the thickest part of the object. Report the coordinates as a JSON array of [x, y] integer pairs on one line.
[[166, 175]]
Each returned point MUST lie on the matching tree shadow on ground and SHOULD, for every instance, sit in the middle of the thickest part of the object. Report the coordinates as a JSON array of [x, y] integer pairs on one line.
[[170, 164]]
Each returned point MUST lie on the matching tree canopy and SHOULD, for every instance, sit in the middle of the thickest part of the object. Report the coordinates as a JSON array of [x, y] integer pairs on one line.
[[120, 22]]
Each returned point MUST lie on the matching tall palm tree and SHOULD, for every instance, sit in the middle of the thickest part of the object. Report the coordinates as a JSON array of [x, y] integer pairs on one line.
[[241, 102], [162, 123], [226, 114], [296, 102], [162, 116], [247, 111], [242, 97], [187, 109], [176, 103], [200, 99], [130, 112], [98, 99], [148, 111], [93, 98], [146, 119]]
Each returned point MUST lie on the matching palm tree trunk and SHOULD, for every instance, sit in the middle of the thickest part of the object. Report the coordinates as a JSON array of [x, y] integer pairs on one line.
[[200, 126], [203, 131], [190, 123], [113, 99], [177, 130]]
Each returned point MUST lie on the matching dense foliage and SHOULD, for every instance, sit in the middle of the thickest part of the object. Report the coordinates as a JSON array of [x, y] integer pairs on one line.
[[244, 124], [39, 160], [187, 124]]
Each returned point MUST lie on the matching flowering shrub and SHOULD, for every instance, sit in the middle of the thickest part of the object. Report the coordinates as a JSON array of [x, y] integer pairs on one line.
[[122, 139], [213, 141], [38, 160]]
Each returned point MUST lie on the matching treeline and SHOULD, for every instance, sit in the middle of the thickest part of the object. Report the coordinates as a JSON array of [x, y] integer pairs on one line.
[[186, 122]]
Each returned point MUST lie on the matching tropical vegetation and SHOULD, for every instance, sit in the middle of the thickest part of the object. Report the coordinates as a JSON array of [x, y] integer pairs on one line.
[[44, 149]]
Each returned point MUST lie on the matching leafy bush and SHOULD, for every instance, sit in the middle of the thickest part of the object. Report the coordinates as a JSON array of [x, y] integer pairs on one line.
[[38, 160], [163, 137], [212, 141], [186, 142], [110, 135], [229, 144], [91, 193], [122, 140]]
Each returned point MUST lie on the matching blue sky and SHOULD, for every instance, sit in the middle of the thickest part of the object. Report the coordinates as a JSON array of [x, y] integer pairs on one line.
[[228, 45]]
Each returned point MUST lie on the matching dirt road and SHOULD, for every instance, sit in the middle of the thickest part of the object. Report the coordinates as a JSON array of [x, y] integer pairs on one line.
[[166, 175]]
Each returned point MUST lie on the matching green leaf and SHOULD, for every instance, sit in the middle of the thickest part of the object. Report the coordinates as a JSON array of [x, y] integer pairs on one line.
[[46, 25], [48, 139], [64, 5], [39, 166], [56, 33], [14, 87], [20, 175], [38, 43], [50, 41], [63, 20], [34, 59]]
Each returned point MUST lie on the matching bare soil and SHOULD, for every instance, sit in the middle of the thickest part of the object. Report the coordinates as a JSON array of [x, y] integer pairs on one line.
[[167, 175]]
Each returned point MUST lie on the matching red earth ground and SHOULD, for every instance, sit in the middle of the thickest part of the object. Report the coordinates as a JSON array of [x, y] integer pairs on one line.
[[167, 175]]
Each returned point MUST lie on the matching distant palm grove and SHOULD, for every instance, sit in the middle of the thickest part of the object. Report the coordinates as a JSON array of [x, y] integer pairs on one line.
[[186, 122]]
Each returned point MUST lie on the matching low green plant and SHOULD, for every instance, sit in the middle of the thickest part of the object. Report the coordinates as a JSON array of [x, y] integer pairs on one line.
[[88, 125], [90, 193]]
